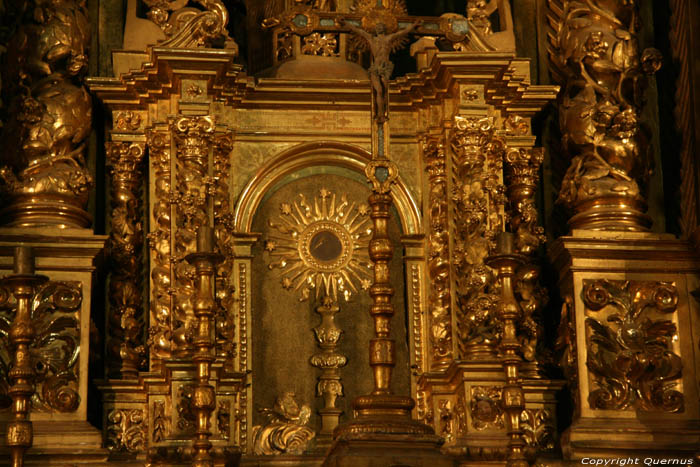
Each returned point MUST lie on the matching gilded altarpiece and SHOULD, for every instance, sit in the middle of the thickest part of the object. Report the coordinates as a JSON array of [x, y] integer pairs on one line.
[[274, 165]]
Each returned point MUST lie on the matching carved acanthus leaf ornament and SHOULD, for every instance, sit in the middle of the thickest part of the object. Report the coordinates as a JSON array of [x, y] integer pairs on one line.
[[125, 340], [189, 27], [55, 350], [630, 346], [285, 431]]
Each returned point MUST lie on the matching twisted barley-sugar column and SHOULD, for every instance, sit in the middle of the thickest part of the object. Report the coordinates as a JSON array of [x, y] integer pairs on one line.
[[22, 283], [204, 398]]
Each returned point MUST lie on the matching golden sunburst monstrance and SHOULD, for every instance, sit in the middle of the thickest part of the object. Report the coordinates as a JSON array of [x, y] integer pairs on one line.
[[322, 246]]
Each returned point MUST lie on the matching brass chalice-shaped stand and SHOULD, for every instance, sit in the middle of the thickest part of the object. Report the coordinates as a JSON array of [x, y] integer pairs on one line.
[[22, 283], [506, 262], [204, 398]]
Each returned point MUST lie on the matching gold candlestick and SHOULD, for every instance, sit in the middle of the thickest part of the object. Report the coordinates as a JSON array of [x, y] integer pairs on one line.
[[22, 283], [507, 262], [204, 398]]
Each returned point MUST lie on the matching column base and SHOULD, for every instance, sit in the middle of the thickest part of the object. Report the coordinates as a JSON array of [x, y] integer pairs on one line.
[[385, 434], [61, 444], [613, 438]]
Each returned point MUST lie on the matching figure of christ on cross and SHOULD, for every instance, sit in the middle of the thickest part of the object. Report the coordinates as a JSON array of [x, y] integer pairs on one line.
[[380, 46]]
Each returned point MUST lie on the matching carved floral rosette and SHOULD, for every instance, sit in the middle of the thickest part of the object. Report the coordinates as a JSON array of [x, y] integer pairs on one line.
[[478, 209], [594, 52], [55, 351], [630, 342]]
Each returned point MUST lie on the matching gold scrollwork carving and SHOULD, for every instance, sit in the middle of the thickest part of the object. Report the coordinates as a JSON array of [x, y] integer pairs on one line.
[[522, 174], [631, 359], [127, 120], [479, 202], [55, 350], [321, 44], [223, 419], [447, 420], [439, 299], [125, 346], [186, 417], [188, 27], [538, 428], [285, 431], [126, 430]]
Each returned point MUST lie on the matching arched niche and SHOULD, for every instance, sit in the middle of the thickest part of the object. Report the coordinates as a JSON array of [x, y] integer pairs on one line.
[[282, 338], [319, 153]]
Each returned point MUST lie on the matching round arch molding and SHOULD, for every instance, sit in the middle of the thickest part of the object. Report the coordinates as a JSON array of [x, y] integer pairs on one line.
[[319, 153]]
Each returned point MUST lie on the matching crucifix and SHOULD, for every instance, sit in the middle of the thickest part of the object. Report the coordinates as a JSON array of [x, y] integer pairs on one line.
[[385, 36], [380, 45]]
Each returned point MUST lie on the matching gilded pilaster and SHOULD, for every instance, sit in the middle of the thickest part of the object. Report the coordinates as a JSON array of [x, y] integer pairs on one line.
[[478, 205], [439, 298], [125, 334]]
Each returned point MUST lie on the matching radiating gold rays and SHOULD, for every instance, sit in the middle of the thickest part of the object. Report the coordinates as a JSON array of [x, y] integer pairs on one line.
[[321, 246]]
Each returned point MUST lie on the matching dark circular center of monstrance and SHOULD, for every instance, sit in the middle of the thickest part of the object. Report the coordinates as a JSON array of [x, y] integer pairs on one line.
[[325, 246]]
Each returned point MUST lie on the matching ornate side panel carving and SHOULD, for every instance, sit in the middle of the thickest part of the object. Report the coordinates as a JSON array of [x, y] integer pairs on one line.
[[125, 346], [126, 430], [439, 299], [55, 350], [539, 430], [630, 330], [190, 190], [478, 212]]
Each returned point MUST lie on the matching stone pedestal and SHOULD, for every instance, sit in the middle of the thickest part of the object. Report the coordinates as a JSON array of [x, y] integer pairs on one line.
[[629, 336], [60, 352]]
